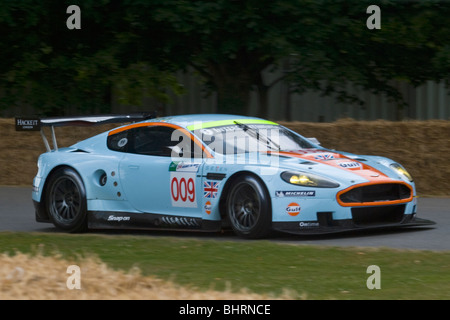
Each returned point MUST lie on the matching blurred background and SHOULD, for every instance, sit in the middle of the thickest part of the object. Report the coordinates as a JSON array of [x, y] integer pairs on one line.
[[312, 65], [291, 60]]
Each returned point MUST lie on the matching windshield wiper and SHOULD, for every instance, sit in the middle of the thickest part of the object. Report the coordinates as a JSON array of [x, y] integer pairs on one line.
[[258, 136]]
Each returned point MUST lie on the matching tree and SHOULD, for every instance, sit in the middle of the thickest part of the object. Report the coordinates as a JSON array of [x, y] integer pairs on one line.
[[231, 43], [412, 45], [134, 47], [51, 67]]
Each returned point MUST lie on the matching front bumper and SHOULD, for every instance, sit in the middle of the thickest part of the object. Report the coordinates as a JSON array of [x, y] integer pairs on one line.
[[325, 224]]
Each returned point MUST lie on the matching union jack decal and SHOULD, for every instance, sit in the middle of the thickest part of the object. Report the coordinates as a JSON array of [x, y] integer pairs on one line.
[[325, 156], [210, 189]]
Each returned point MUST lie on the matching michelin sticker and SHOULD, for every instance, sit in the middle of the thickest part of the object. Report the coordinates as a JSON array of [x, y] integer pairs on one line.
[[295, 193]]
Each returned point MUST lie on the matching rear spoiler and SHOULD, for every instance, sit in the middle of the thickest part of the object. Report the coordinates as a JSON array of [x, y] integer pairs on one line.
[[37, 124]]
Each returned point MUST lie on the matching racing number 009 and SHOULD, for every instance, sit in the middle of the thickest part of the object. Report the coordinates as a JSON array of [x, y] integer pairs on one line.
[[182, 190]]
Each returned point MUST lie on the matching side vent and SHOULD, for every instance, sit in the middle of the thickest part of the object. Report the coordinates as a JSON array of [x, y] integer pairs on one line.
[[80, 150], [100, 177]]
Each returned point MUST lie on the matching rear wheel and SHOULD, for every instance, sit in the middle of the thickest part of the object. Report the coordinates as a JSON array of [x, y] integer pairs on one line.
[[249, 209], [66, 200]]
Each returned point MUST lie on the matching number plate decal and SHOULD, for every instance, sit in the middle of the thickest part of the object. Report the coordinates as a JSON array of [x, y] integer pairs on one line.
[[182, 189]]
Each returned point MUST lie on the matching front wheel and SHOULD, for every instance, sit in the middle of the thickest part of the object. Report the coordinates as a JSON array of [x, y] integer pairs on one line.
[[66, 200], [249, 209]]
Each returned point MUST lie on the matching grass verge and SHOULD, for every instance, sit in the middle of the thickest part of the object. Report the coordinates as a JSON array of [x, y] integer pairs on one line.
[[263, 267]]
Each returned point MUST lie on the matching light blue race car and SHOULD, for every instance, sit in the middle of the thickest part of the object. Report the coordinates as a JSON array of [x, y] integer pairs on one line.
[[208, 172]]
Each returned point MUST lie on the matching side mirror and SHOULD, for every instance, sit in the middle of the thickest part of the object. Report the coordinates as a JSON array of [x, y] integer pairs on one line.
[[314, 140]]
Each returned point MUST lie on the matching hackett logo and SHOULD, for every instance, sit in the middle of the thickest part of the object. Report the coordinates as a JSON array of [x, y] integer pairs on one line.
[[27, 124], [22, 122]]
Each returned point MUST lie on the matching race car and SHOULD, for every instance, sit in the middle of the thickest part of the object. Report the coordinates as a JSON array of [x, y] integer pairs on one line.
[[209, 172]]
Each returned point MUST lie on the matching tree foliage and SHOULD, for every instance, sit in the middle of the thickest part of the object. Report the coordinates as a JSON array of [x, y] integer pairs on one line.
[[134, 47], [49, 67], [326, 44], [411, 46]]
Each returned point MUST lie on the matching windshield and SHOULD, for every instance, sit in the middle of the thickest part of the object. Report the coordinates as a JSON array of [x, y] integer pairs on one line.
[[244, 138]]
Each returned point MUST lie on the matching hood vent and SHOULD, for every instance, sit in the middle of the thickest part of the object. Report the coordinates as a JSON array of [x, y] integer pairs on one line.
[[307, 163]]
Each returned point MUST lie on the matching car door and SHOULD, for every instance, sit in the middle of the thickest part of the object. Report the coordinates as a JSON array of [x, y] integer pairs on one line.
[[153, 176]]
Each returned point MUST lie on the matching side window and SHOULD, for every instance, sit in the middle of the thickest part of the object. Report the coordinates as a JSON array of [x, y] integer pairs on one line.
[[152, 141], [118, 141]]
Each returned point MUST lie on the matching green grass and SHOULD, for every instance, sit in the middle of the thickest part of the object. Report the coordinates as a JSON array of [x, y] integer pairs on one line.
[[265, 267]]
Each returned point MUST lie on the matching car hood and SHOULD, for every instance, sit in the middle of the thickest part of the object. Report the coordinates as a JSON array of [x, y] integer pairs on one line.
[[344, 168]]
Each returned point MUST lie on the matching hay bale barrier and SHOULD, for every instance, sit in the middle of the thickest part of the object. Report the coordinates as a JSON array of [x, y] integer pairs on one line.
[[421, 146], [38, 277]]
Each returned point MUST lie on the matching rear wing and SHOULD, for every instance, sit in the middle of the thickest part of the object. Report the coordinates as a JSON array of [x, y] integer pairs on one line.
[[37, 124]]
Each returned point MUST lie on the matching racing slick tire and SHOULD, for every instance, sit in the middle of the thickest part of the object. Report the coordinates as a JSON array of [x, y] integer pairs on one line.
[[249, 208], [65, 200]]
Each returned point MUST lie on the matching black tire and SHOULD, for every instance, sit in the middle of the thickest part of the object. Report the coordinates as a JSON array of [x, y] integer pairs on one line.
[[65, 200], [248, 208]]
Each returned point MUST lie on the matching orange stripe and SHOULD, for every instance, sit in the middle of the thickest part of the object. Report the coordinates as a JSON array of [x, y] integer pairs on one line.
[[377, 203], [365, 171], [143, 124], [164, 124]]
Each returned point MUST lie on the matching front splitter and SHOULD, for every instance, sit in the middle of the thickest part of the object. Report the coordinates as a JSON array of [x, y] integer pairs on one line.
[[337, 226]]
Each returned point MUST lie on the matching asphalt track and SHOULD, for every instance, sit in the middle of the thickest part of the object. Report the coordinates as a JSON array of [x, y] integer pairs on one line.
[[17, 214]]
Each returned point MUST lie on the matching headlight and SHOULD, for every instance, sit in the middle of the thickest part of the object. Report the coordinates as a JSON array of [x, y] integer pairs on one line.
[[402, 171], [308, 180]]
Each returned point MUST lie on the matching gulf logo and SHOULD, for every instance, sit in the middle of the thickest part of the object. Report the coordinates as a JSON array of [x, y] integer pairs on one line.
[[208, 207], [293, 209]]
